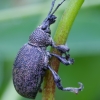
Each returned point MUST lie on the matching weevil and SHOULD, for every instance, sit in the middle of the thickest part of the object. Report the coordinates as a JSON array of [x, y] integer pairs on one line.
[[32, 60]]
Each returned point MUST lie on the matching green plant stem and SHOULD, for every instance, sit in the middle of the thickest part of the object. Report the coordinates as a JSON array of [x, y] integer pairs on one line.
[[60, 37]]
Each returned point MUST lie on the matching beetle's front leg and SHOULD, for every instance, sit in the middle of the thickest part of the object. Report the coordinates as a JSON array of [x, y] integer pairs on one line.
[[61, 48], [59, 85]]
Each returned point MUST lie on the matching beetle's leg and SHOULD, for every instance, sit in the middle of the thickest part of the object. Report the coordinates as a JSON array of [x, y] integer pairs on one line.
[[61, 48], [59, 85], [65, 60]]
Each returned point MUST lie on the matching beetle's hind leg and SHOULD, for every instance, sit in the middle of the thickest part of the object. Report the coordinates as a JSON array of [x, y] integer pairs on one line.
[[59, 85]]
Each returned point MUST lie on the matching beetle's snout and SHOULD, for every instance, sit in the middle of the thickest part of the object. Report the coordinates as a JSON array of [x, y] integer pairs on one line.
[[52, 19]]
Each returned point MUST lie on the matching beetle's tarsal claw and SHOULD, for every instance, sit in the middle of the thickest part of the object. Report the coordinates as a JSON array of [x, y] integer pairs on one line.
[[74, 90], [81, 86], [71, 61]]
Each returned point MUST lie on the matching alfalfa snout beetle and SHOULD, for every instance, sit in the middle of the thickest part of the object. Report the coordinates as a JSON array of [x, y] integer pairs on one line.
[[32, 60]]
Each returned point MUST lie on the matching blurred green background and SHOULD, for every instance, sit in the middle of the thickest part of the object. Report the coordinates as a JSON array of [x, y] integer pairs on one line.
[[18, 18]]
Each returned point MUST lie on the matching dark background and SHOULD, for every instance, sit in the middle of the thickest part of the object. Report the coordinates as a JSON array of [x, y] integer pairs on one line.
[[18, 18]]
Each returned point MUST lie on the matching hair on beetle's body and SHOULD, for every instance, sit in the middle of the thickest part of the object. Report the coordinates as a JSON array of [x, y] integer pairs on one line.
[[32, 60]]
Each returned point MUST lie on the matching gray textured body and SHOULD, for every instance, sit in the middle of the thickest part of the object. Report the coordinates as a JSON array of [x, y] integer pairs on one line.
[[30, 65], [33, 60]]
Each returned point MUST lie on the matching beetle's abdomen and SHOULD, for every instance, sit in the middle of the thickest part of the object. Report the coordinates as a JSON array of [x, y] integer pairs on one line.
[[26, 82], [28, 71]]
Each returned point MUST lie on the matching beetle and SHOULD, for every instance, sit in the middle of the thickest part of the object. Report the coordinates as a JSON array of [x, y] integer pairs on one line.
[[32, 60]]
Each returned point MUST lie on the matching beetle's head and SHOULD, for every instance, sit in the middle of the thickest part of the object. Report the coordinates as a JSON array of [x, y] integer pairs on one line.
[[51, 18], [45, 26]]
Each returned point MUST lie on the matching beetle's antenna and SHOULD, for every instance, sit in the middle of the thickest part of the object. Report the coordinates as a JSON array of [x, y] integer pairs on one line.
[[49, 14], [53, 2], [57, 7]]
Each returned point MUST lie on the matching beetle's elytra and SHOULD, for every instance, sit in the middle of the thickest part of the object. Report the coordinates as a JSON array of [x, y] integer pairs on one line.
[[33, 60]]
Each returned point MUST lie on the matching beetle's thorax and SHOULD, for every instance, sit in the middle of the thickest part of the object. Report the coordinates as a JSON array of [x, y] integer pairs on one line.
[[39, 38]]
